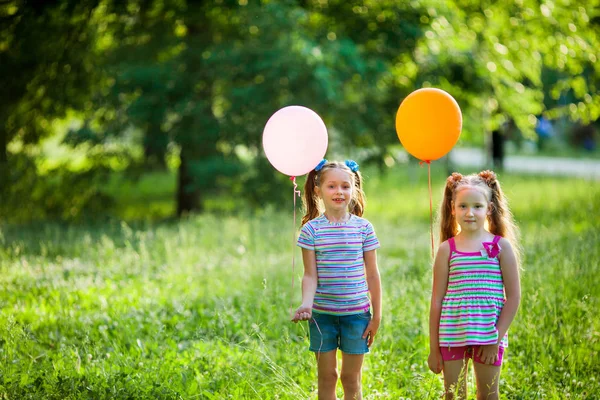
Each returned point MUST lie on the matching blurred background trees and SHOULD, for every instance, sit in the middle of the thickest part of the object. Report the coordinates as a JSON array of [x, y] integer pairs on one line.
[[99, 94]]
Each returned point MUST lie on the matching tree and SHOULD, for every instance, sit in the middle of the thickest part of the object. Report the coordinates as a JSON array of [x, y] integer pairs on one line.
[[46, 69], [210, 75], [492, 57], [204, 77], [46, 66]]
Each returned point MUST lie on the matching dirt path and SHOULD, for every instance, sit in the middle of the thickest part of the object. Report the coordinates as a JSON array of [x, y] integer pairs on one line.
[[473, 157]]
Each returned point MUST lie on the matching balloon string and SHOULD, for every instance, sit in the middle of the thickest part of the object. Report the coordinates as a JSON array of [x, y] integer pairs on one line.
[[321, 345], [430, 204], [295, 192]]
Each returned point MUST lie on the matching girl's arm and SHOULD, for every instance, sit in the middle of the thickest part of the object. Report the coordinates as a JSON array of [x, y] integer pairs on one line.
[[374, 282], [309, 286], [440, 284], [512, 288]]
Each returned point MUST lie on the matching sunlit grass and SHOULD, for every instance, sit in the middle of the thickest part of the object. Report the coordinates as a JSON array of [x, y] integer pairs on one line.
[[198, 309], [150, 197]]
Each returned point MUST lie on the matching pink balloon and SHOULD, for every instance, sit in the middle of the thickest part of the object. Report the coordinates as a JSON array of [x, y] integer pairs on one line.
[[295, 140]]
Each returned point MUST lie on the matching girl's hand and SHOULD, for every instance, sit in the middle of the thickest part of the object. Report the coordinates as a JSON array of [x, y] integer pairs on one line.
[[435, 362], [303, 313], [488, 354], [371, 330]]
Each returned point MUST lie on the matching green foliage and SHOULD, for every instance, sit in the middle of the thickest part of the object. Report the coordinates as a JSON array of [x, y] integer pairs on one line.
[[199, 308], [56, 194], [46, 65], [204, 77], [148, 198], [492, 58]]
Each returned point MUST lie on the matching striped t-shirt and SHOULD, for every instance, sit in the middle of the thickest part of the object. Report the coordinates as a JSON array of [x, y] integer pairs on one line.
[[473, 301], [339, 247]]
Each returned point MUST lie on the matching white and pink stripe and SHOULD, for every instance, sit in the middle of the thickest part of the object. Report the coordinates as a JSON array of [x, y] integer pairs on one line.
[[473, 301]]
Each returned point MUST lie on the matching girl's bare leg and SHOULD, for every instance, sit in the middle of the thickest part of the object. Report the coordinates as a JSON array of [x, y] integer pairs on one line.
[[351, 375], [455, 379], [487, 377], [327, 374]]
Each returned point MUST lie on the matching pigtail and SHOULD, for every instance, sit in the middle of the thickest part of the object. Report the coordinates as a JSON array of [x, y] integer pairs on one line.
[[310, 200], [448, 225], [501, 221], [359, 202]]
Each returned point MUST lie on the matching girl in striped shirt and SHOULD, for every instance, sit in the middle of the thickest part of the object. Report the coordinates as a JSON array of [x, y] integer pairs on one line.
[[341, 288], [476, 290]]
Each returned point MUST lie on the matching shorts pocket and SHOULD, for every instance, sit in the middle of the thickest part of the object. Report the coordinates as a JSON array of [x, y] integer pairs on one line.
[[366, 316]]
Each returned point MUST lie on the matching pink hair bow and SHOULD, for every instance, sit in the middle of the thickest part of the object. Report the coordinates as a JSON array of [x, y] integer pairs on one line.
[[492, 248]]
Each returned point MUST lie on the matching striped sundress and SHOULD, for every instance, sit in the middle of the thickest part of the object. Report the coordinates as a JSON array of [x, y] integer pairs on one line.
[[473, 300]]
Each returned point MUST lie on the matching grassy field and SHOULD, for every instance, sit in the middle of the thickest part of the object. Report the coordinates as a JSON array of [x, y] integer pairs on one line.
[[198, 309]]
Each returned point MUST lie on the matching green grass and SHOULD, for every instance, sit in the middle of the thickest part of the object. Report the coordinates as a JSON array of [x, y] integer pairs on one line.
[[198, 309], [148, 198]]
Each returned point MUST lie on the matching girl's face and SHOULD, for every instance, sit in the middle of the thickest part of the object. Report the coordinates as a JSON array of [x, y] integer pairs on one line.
[[335, 189], [471, 209]]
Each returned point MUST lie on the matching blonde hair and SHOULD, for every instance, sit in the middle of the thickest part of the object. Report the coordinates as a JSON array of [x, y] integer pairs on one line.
[[314, 179], [501, 221]]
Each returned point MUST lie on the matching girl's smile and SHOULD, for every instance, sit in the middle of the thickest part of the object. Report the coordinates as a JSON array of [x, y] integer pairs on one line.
[[336, 190]]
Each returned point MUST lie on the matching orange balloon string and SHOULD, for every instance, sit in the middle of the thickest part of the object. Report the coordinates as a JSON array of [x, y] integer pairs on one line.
[[295, 192], [430, 204]]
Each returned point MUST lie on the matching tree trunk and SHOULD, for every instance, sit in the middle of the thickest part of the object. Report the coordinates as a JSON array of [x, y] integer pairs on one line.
[[187, 194], [198, 142], [3, 160], [155, 158], [3, 145], [155, 147], [448, 164]]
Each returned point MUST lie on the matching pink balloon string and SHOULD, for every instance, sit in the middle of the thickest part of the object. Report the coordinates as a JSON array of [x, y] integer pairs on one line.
[[295, 192], [430, 204]]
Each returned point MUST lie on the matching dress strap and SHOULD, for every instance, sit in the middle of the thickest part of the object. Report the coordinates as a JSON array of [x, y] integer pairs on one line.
[[452, 245], [496, 239], [452, 248]]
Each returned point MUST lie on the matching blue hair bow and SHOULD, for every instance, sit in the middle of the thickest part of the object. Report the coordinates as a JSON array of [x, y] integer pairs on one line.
[[320, 165], [352, 165]]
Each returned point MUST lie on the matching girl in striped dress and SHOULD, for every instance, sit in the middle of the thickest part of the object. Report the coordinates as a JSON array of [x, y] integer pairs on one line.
[[476, 290], [341, 288]]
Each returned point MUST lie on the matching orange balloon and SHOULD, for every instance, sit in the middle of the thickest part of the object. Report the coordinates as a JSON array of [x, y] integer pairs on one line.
[[428, 123]]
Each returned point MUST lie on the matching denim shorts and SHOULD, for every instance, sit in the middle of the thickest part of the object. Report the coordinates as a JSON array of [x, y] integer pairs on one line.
[[330, 332]]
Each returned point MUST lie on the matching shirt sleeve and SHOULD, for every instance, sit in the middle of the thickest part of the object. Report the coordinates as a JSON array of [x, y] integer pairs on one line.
[[370, 239], [306, 240]]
